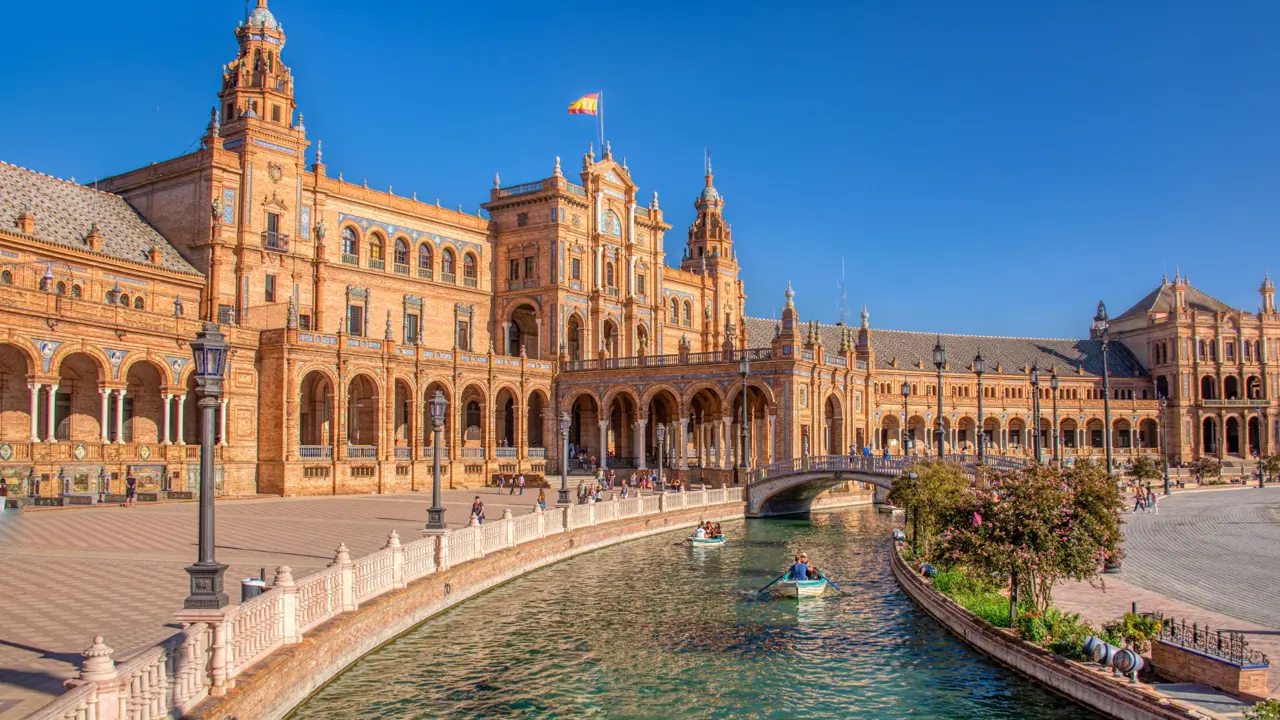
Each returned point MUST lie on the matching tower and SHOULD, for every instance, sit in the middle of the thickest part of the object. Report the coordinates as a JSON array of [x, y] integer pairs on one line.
[[710, 237], [1268, 291], [257, 84]]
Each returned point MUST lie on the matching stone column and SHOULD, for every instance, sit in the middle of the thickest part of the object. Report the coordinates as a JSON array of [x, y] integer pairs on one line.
[[222, 422], [640, 443], [773, 440], [682, 450], [168, 402], [537, 349], [35, 412], [182, 417], [604, 443], [49, 408], [599, 267], [506, 339], [722, 450], [120, 415], [105, 415]]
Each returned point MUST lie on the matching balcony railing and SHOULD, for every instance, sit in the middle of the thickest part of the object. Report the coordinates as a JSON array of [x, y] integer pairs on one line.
[[468, 281], [473, 453], [524, 189], [428, 452], [706, 358], [402, 452], [611, 291], [449, 278], [576, 190], [350, 259], [377, 264], [401, 268], [1235, 402], [537, 452], [362, 451], [316, 452], [275, 242], [507, 452], [425, 273]]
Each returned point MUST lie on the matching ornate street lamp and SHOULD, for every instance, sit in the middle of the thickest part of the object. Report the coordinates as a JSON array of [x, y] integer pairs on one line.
[[1035, 408], [744, 367], [563, 499], [906, 393], [210, 352], [1164, 454], [435, 514], [1053, 385], [980, 367], [662, 441], [1101, 331], [939, 361]]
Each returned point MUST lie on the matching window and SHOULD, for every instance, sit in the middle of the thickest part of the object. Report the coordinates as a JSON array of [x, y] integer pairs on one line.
[[1231, 351], [424, 261], [6, 277], [76, 291], [377, 256], [675, 313], [1202, 349], [575, 269], [350, 245], [528, 268], [411, 328], [355, 320], [275, 113], [447, 264], [124, 299], [640, 284], [688, 314], [402, 252], [522, 219], [513, 269], [61, 288], [469, 270], [555, 214], [304, 322], [608, 274], [464, 336], [138, 304], [269, 288]]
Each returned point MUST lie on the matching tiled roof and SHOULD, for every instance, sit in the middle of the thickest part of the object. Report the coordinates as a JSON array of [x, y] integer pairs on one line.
[[1161, 300], [64, 211], [1011, 353]]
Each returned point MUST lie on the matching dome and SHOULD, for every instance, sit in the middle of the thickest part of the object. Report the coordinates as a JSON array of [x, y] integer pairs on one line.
[[262, 17], [709, 195]]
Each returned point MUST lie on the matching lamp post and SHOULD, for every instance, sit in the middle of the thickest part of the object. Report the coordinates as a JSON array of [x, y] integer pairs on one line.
[[1164, 457], [435, 513], [744, 367], [563, 499], [210, 352], [939, 361], [1057, 446], [1035, 409], [1101, 331], [906, 392], [980, 367], [662, 437]]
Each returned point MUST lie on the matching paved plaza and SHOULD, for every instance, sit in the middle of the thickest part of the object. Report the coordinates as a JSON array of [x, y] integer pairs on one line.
[[71, 574]]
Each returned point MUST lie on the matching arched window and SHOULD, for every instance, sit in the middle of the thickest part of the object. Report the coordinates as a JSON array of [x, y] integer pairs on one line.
[[424, 261], [608, 274], [402, 252], [124, 299], [447, 264], [469, 269], [350, 242], [76, 291], [688, 314], [61, 288], [137, 303], [376, 249], [675, 313], [6, 278]]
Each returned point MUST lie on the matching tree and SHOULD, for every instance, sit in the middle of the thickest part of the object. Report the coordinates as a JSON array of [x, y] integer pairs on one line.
[[1147, 468], [1271, 465], [1037, 526], [932, 491], [1205, 466]]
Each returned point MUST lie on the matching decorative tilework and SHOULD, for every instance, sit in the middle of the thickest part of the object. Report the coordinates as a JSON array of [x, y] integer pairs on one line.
[[248, 196], [366, 224], [228, 206], [6, 253], [47, 348], [614, 193], [305, 231], [116, 357], [232, 145], [177, 364], [273, 146]]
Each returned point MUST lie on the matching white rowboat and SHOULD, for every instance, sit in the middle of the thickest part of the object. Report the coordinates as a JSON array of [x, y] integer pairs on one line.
[[803, 588], [707, 542]]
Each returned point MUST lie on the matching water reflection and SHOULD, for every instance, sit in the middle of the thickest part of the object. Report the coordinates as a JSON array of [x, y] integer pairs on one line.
[[651, 629]]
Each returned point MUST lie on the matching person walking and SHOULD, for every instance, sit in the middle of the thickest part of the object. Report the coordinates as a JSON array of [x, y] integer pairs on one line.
[[542, 499], [130, 491], [520, 483], [477, 510]]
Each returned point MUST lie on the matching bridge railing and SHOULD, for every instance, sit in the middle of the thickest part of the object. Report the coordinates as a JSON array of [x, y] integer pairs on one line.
[[868, 464]]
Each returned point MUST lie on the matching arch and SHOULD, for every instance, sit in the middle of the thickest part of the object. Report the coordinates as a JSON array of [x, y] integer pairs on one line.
[[1122, 433], [833, 426], [688, 314], [351, 242], [315, 413], [575, 339], [620, 440], [143, 405], [1253, 387], [686, 398], [425, 261], [535, 404], [6, 277], [448, 265], [1162, 386], [16, 366], [1232, 436], [584, 414], [523, 331], [138, 303], [1208, 387], [1230, 388], [60, 288], [675, 313], [1148, 433], [377, 248], [362, 411], [991, 427], [124, 299], [403, 415], [1209, 436], [966, 435], [77, 402], [705, 406], [1068, 429], [446, 430], [625, 391], [470, 268], [1253, 436], [77, 291], [400, 251], [506, 409], [609, 341], [473, 404], [166, 373], [612, 225], [642, 339]]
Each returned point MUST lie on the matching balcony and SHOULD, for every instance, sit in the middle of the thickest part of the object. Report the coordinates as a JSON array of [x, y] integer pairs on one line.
[[524, 189], [425, 273], [473, 453], [537, 452], [315, 452], [369, 452], [706, 358], [428, 453], [275, 242], [611, 291], [350, 259], [469, 281], [449, 278], [377, 264], [1235, 402], [402, 452], [506, 452], [400, 268]]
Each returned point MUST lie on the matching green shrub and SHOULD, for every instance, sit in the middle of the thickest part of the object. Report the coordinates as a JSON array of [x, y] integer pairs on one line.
[[1265, 710], [974, 593], [1135, 629], [1062, 633]]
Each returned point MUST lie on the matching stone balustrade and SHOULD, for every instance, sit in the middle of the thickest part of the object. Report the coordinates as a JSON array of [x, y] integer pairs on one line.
[[204, 659]]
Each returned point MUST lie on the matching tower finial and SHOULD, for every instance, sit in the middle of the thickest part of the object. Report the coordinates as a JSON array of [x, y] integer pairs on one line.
[[706, 157], [866, 317], [791, 296], [319, 151], [557, 172], [497, 181]]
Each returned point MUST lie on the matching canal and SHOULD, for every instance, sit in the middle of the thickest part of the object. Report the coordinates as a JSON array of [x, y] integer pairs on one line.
[[651, 629]]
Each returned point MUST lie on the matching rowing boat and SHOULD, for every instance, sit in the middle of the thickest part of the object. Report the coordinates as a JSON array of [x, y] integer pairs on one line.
[[707, 541], [803, 588]]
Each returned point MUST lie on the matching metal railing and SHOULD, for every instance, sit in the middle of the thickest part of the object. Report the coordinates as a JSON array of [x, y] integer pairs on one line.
[[705, 358], [275, 242], [524, 189], [1229, 646], [870, 464]]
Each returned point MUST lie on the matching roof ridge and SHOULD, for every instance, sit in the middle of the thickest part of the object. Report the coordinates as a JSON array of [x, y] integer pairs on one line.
[[64, 181]]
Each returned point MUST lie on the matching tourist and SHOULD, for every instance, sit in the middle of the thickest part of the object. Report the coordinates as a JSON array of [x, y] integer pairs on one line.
[[1151, 501], [612, 479], [715, 530], [501, 481], [799, 570], [542, 499], [700, 532], [582, 493], [520, 483], [4, 494], [130, 491], [1139, 501], [477, 510]]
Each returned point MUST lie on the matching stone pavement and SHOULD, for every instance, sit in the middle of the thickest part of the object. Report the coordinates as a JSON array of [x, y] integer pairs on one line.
[[71, 574]]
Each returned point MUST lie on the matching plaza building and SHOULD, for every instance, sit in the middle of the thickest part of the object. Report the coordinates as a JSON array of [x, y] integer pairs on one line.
[[349, 308]]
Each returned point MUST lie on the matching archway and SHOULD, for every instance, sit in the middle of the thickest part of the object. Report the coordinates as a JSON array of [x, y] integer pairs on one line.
[[891, 433], [833, 426], [574, 340], [1255, 436], [706, 408], [917, 434], [642, 340], [583, 419], [1162, 386], [991, 433], [428, 428], [523, 332], [1148, 434], [536, 403], [1254, 387], [77, 411], [662, 410], [362, 415], [1230, 388], [1067, 433], [1209, 436], [475, 436], [1208, 388], [315, 415], [403, 420], [1233, 435], [610, 340], [966, 438], [620, 435], [1017, 434], [756, 450], [1122, 436], [504, 422], [15, 396]]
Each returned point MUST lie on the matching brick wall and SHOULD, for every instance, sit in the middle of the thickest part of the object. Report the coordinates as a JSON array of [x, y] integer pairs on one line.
[[1178, 664]]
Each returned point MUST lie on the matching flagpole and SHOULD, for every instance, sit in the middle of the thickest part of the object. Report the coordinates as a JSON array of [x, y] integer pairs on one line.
[[601, 114]]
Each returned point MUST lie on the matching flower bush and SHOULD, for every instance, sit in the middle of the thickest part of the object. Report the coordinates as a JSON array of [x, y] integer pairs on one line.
[[1059, 632], [1137, 630], [1266, 710]]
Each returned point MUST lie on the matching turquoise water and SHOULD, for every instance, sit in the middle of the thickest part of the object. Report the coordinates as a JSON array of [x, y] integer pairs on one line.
[[650, 629]]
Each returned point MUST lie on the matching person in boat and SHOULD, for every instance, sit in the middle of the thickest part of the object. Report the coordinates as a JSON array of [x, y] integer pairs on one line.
[[799, 570], [811, 572], [700, 532], [715, 531]]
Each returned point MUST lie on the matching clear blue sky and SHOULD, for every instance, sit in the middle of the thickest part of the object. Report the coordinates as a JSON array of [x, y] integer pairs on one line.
[[984, 167]]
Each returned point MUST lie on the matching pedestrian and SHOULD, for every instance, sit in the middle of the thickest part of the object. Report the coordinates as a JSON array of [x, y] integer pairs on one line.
[[500, 480], [130, 491], [4, 494], [1139, 502], [477, 510], [542, 499], [520, 482]]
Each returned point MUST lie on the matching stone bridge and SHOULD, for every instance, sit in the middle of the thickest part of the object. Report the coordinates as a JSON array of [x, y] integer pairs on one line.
[[789, 487]]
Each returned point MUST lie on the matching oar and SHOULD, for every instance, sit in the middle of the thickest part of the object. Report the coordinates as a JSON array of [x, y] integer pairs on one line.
[[831, 583], [766, 587]]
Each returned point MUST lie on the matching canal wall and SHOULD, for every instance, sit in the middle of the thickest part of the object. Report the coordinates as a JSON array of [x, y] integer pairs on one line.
[[282, 680], [1096, 689]]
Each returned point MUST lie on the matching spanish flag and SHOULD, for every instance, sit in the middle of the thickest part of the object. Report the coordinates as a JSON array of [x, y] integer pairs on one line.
[[585, 105]]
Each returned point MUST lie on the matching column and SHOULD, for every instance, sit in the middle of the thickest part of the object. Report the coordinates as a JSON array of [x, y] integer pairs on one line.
[[105, 416], [49, 423], [640, 442], [773, 440], [182, 436], [599, 267], [120, 415], [604, 443], [723, 449], [682, 450], [168, 401], [222, 422], [35, 412], [506, 340], [537, 350]]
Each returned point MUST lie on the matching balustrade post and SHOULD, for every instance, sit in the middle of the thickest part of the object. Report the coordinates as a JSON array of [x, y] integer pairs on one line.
[[541, 521], [477, 537], [288, 605], [50, 414], [591, 513], [662, 503], [35, 412], [567, 521], [99, 668], [510, 524], [397, 560], [346, 577], [442, 551], [119, 416]]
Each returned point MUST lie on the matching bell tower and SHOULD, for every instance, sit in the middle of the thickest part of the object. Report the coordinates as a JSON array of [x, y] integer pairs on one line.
[[257, 84], [710, 237]]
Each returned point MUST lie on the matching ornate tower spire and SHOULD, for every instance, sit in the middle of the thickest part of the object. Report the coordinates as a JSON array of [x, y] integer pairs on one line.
[[709, 235], [1268, 291], [257, 84]]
